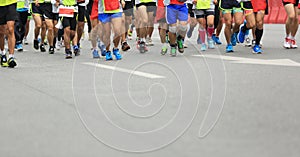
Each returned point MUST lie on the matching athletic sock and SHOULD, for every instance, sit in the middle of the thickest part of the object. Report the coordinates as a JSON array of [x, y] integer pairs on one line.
[[210, 31], [3, 52], [202, 33], [10, 56], [258, 34]]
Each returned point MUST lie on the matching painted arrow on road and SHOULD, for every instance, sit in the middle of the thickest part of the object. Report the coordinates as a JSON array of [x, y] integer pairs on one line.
[[241, 60]]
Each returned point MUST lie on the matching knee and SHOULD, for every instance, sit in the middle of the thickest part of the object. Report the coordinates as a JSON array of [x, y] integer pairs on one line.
[[183, 28], [292, 16], [251, 25], [10, 30], [238, 22]]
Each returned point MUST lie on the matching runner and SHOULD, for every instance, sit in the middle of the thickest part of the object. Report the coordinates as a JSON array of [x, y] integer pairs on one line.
[[7, 22], [27, 27], [260, 8], [96, 28], [110, 17], [231, 9], [192, 18], [163, 26], [20, 23], [43, 8], [55, 21], [68, 12], [205, 11], [145, 11], [292, 23], [80, 23], [127, 20], [218, 24]]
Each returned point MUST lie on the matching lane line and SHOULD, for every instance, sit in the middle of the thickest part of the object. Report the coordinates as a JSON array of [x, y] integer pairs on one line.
[[241, 60], [137, 73]]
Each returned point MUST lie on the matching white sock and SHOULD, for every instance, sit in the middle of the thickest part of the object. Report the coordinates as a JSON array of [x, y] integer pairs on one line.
[[291, 37], [3, 52], [10, 56]]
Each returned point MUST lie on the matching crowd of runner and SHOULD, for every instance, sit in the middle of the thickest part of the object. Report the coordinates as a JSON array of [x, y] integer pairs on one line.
[[62, 22]]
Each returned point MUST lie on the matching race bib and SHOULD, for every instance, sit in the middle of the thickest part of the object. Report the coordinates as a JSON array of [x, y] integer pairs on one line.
[[66, 11]]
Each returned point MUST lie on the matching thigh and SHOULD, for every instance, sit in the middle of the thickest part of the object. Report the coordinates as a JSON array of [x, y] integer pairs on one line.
[[171, 14], [183, 14]]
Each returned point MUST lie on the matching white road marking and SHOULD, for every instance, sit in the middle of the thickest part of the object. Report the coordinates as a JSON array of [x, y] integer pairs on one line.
[[241, 60], [132, 72]]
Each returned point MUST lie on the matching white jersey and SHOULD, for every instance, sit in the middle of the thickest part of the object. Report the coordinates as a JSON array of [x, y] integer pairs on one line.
[[54, 8]]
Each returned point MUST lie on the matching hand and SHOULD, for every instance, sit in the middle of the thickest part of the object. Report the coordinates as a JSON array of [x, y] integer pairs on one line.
[[194, 1]]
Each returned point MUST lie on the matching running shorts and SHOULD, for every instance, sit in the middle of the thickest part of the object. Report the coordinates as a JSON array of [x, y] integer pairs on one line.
[[8, 13]]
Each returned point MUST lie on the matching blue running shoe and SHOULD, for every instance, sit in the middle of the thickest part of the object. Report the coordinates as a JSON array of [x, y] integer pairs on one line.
[[203, 47], [95, 54], [211, 44], [108, 56], [241, 35], [233, 39], [76, 50], [216, 39], [117, 54], [229, 48], [19, 47], [256, 49]]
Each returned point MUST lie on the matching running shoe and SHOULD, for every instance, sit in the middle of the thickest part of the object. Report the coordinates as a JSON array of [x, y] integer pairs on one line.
[[4, 61], [108, 56], [180, 44], [76, 50], [125, 46], [203, 47], [25, 41], [248, 41], [58, 45], [149, 42], [216, 39], [256, 49], [287, 43], [19, 47], [293, 44], [68, 54], [142, 47], [173, 51], [233, 39], [241, 35], [211, 44], [229, 48], [102, 48], [95, 54], [164, 50], [51, 50], [36, 44], [12, 62], [42, 48], [117, 54]]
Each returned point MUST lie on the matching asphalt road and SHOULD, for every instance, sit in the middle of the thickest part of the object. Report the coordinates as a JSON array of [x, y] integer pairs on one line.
[[206, 104]]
